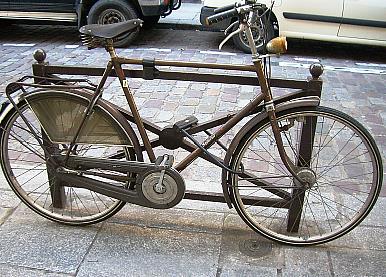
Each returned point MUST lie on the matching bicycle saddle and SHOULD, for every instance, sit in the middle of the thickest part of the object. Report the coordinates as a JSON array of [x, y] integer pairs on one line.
[[110, 31]]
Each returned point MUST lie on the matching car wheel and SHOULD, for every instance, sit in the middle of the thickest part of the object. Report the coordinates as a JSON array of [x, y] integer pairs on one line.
[[261, 40], [114, 11]]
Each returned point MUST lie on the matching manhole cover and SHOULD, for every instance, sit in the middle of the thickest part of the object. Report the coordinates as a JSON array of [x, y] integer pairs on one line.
[[255, 248]]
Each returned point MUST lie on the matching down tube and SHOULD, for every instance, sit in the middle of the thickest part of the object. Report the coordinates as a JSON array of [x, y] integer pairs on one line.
[[247, 110]]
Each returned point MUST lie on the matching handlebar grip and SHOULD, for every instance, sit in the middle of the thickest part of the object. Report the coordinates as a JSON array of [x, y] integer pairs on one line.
[[226, 8], [221, 16]]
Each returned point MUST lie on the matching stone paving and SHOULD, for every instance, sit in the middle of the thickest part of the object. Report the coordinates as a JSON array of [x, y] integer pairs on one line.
[[195, 238]]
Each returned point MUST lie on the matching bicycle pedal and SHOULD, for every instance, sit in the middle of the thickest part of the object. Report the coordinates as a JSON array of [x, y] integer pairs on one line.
[[186, 123], [165, 160]]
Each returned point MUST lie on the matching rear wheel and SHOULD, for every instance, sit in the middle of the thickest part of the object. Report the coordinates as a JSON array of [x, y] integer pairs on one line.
[[114, 11], [30, 171], [341, 163]]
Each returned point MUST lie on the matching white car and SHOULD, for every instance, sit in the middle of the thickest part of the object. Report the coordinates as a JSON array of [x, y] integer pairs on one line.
[[348, 21]]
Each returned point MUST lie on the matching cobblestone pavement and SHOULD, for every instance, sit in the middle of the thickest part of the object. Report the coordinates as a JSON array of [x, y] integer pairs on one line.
[[196, 238]]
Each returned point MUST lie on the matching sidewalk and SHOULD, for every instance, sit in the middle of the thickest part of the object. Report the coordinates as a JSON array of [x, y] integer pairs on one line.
[[186, 17]]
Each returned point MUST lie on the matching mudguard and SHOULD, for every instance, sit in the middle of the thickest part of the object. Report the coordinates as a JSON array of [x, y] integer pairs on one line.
[[309, 101], [7, 109]]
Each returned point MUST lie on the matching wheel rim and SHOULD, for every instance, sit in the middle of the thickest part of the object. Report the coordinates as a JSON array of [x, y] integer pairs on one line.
[[25, 167], [110, 16], [257, 33], [347, 181]]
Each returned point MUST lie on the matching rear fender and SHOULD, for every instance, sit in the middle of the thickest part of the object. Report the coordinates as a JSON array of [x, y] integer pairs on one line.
[[7, 109]]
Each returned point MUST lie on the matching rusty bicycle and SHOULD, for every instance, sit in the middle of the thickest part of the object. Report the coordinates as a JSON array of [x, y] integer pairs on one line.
[[296, 172]]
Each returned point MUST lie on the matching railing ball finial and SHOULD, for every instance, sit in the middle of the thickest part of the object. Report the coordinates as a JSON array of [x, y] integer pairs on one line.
[[316, 70], [40, 55]]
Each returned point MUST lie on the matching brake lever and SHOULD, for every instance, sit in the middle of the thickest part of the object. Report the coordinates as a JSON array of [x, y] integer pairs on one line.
[[228, 37], [230, 27], [241, 28]]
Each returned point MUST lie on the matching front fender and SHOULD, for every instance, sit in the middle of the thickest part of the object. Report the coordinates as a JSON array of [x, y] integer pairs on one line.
[[309, 101]]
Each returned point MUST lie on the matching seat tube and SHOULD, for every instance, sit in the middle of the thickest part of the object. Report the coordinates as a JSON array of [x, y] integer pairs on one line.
[[131, 102]]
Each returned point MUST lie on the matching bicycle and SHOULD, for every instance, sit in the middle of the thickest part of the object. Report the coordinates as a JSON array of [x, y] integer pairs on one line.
[[296, 172]]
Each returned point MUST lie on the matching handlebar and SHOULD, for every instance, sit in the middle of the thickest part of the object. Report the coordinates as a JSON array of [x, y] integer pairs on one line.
[[221, 16], [233, 10], [227, 8]]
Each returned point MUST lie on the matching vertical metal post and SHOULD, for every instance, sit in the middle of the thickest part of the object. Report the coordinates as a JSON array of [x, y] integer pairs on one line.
[[304, 152], [57, 190]]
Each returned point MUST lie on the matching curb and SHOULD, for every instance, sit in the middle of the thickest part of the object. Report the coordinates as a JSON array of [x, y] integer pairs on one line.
[[179, 26]]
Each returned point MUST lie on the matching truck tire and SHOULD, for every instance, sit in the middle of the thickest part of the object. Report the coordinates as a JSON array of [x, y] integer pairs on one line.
[[113, 11]]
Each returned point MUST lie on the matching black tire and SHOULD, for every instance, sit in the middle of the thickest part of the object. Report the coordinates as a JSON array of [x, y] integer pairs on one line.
[[30, 172], [261, 39], [113, 11], [150, 21], [345, 176]]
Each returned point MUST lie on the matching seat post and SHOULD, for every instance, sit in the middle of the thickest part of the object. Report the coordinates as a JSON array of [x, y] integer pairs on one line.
[[110, 48]]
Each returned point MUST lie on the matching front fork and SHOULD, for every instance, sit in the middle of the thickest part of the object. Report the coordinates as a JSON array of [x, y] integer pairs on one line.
[[305, 147], [269, 104]]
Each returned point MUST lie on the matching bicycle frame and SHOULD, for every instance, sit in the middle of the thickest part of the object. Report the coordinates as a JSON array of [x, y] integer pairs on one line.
[[266, 96], [115, 64]]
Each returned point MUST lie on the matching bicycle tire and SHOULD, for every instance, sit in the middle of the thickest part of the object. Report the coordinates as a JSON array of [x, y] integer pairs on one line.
[[28, 171], [347, 168]]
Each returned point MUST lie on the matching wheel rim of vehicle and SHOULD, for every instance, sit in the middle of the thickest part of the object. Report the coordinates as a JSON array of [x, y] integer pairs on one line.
[[110, 16], [257, 33]]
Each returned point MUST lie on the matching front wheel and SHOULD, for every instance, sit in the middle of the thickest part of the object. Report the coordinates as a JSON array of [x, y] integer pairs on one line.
[[338, 158], [114, 11]]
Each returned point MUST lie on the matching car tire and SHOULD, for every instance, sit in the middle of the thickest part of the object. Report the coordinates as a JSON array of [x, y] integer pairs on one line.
[[113, 11], [150, 21], [241, 42]]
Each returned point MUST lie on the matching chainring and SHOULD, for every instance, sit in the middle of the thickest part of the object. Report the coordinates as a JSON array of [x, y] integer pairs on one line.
[[163, 195]]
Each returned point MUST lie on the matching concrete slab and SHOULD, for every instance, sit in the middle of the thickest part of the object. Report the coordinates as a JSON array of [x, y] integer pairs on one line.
[[358, 263], [377, 215], [14, 271], [126, 250], [8, 199], [30, 241], [363, 237], [313, 261], [173, 219], [245, 253]]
